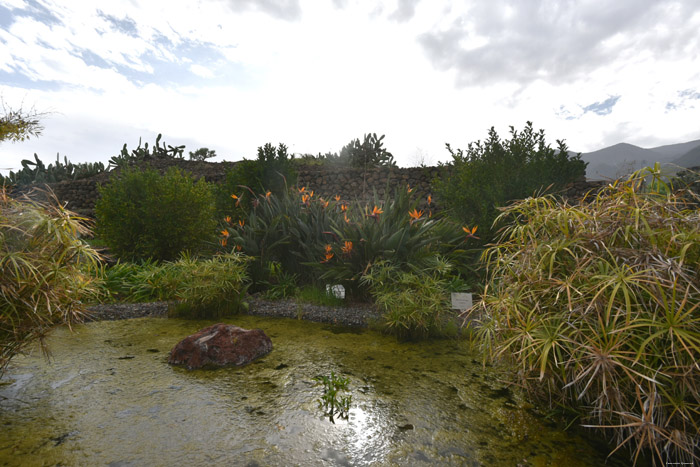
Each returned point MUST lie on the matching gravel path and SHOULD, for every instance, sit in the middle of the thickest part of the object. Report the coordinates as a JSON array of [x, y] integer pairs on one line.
[[354, 315]]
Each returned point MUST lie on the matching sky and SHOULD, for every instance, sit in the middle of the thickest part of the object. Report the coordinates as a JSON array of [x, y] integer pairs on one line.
[[232, 75]]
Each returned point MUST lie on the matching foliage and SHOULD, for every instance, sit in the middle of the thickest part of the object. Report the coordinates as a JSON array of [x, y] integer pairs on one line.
[[271, 171], [45, 271], [368, 153], [329, 241], [36, 172], [392, 230], [318, 295], [205, 288], [598, 305], [414, 300], [211, 289], [124, 158], [19, 125], [142, 214], [332, 402], [202, 154], [490, 174]]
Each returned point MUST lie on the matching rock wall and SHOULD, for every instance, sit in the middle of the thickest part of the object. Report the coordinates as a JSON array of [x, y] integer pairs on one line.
[[350, 183]]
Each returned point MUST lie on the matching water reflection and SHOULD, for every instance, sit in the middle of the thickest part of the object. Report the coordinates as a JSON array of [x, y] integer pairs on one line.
[[110, 397]]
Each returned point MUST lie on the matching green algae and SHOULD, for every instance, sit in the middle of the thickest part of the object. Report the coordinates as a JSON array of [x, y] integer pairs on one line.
[[108, 396]]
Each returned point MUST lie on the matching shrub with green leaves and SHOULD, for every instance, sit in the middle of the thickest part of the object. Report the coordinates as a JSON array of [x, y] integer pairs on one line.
[[142, 214], [46, 271], [330, 241], [598, 305], [491, 174], [203, 288], [414, 300]]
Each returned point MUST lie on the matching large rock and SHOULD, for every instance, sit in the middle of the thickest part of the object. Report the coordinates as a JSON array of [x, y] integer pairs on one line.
[[219, 345]]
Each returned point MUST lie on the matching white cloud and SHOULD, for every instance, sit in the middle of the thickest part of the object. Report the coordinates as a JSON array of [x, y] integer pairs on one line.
[[234, 74]]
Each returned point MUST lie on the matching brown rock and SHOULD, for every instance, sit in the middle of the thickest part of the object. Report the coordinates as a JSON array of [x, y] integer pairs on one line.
[[220, 345]]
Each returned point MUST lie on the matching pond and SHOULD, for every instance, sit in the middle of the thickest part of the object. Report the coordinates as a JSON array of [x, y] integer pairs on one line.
[[108, 397]]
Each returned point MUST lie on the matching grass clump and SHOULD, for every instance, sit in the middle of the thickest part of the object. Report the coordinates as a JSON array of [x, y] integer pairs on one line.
[[46, 271], [597, 303]]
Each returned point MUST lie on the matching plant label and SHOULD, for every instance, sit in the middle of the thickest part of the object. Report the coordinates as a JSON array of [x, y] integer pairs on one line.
[[338, 291], [461, 301]]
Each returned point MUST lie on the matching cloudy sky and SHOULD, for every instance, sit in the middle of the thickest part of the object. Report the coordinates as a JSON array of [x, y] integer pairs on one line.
[[232, 75]]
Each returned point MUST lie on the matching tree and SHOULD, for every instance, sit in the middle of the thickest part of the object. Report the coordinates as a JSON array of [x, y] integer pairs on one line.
[[202, 154], [490, 174], [17, 125]]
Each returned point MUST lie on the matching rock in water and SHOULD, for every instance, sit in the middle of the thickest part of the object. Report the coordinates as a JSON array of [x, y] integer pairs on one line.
[[219, 345]]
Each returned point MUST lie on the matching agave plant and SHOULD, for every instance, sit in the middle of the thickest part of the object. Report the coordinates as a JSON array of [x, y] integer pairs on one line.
[[598, 304], [47, 271]]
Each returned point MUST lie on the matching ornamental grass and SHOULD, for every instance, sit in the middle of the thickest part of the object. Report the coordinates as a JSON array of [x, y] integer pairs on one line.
[[597, 303], [46, 271]]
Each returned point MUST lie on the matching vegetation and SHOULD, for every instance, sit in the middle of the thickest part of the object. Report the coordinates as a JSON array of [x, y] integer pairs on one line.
[[332, 402], [142, 214], [202, 154], [36, 172], [415, 301], [124, 158], [597, 305], [19, 125], [488, 175], [204, 288], [46, 271], [271, 171]]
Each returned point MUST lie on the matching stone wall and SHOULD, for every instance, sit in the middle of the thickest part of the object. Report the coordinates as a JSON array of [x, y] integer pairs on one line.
[[350, 183]]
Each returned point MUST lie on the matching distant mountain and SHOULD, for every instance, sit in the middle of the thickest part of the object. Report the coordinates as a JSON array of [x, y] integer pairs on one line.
[[689, 159], [623, 158]]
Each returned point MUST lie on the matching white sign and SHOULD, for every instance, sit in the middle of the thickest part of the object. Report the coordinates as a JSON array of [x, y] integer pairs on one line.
[[461, 301], [338, 291]]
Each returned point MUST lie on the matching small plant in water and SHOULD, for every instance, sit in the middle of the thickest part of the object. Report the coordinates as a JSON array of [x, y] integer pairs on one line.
[[332, 402]]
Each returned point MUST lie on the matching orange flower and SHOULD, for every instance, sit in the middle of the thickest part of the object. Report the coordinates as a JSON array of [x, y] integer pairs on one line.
[[225, 233], [268, 194], [227, 219], [343, 207], [324, 203], [430, 200], [328, 248], [223, 241], [347, 249], [328, 256], [241, 223], [470, 233], [346, 218], [311, 195], [305, 199], [415, 215], [375, 213], [408, 188], [302, 189], [237, 198], [239, 248], [337, 197]]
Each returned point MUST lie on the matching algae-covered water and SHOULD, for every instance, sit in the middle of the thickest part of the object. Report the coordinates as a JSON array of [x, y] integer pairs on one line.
[[108, 397]]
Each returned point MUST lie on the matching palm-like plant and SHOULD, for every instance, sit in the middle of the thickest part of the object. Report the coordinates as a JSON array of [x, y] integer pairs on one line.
[[46, 271], [599, 304]]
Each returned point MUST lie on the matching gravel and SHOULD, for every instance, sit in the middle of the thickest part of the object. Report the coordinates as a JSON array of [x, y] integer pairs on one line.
[[352, 315]]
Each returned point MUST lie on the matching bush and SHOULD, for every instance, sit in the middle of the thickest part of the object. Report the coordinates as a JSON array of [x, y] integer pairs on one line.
[[45, 271], [209, 288], [490, 174], [598, 305], [141, 214], [414, 301], [322, 241]]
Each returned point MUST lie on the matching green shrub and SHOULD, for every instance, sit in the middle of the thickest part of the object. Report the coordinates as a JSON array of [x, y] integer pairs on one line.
[[414, 300], [203, 288], [46, 271], [598, 304], [142, 214], [489, 175]]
